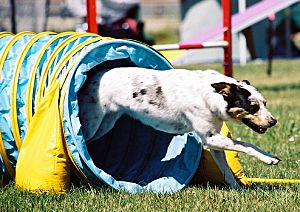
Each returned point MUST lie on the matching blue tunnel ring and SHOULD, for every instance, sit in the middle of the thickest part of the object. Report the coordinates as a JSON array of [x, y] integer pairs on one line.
[[132, 157]]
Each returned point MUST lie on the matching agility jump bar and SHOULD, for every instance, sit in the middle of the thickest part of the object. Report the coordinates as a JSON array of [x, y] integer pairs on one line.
[[226, 10], [176, 46], [273, 181]]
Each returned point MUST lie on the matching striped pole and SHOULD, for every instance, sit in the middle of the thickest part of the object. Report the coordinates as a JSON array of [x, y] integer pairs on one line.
[[176, 46], [226, 44], [227, 61]]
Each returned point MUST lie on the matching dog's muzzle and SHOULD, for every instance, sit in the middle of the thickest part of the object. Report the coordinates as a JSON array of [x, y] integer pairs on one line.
[[258, 128], [272, 122]]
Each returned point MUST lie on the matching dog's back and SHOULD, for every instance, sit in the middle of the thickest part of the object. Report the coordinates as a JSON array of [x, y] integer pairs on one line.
[[157, 87], [161, 99]]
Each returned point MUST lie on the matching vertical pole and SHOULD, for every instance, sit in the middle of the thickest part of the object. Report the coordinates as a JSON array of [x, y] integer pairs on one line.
[[270, 42], [287, 32], [227, 61], [47, 7], [242, 39], [91, 16], [13, 16]]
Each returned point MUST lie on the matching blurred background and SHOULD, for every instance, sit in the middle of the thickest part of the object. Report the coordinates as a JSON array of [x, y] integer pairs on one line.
[[161, 22]]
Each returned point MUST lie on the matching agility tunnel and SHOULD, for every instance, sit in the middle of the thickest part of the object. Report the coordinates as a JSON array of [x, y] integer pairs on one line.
[[41, 137], [40, 75]]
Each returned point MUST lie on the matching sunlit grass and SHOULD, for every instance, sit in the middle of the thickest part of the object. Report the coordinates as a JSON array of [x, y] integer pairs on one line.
[[283, 101]]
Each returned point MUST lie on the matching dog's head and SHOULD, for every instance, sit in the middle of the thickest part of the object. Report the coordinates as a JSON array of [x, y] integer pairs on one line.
[[246, 104]]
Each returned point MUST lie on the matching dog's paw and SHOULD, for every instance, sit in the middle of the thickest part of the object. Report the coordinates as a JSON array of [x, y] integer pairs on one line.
[[277, 161], [272, 161]]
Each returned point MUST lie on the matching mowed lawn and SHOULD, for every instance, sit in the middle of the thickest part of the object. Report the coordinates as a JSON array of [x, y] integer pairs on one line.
[[282, 91]]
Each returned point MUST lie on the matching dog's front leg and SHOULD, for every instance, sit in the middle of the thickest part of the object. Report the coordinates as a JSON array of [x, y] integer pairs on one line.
[[220, 159], [219, 142]]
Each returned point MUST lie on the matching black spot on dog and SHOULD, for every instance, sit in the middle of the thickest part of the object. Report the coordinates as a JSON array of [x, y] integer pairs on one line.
[[156, 96], [150, 92], [209, 134], [138, 97], [152, 102], [158, 91], [134, 95], [246, 81], [156, 102], [143, 91]]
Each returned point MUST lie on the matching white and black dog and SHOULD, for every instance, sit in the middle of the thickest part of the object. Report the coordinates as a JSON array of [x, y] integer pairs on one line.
[[176, 101]]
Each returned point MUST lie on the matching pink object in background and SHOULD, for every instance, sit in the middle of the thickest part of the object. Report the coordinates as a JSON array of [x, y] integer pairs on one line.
[[272, 17]]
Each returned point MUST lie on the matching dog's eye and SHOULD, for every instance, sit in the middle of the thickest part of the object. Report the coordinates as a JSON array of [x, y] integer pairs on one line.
[[253, 108], [238, 103]]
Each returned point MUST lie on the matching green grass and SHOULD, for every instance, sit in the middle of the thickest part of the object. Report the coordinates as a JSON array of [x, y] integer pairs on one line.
[[281, 90], [165, 37], [285, 198]]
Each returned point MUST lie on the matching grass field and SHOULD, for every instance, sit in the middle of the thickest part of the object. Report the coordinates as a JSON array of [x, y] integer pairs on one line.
[[282, 91]]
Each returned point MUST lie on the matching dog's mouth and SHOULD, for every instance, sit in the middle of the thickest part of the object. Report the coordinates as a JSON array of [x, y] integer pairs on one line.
[[255, 127]]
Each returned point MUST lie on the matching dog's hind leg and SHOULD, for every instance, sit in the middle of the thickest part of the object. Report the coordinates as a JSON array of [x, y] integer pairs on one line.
[[220, 142], [90, 120], [220, 159], [106, 125]]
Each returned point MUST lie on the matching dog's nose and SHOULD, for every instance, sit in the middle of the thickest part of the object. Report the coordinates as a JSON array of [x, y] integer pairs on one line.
[[272, 122]]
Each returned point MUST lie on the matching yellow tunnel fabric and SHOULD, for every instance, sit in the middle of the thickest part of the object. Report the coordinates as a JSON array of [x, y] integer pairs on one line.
[[43, 163]]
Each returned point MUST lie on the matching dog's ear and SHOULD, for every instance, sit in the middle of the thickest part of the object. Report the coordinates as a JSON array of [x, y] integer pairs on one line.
[[237, 113], [246, 82], [224, 88]]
